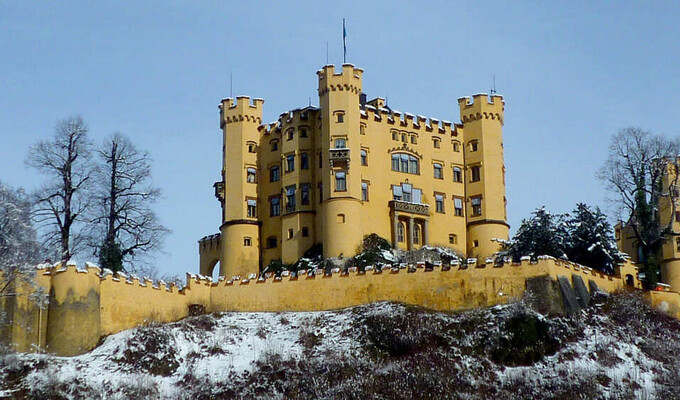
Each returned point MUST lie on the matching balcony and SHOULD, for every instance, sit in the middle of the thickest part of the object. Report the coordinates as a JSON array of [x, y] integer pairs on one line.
[[219, 191], [411, 208], [338, 155]]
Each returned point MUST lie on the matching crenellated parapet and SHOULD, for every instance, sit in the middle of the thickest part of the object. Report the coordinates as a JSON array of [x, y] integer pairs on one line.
[[482, 106], [241, 109], [413, 123], [348, 79]]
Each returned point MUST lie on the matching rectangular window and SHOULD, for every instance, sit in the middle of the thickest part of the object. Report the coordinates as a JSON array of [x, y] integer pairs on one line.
[[475, 173], [439, 203], [456, 146], [677, 244], [453, 239], [340, 117], [303, 132], [397, 193], [364, 191], [251, 173], [436, 143], [474, 145], [320, 192], [677, 216], [274, 206], [364, 158], [457, 174], [304, 161], [290, 233], [304, 194], [395, 162], [476, 203], [247, 242], [340, 182], [458, 206], [362, 129], [290, 134], [395, 136], [406, 189], [404, 163], [271, 242], [414, 139], [252, 208], [417, 196], [438, 171], [340, 143], [305, 231], [290, 198], [412, 165], [274, 145], [274, 173], [290, 163]]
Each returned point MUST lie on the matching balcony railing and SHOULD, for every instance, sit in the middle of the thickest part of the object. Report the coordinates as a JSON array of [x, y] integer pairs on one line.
[[412, 208], [338, 155]]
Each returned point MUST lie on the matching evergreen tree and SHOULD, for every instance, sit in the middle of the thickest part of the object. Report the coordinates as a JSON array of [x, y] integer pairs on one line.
[[591, 240], [542, 234]]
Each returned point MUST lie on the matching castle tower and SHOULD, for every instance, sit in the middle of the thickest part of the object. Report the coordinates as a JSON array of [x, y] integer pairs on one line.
[[670, 250], [341, 161], [486, 217], [240, 238]]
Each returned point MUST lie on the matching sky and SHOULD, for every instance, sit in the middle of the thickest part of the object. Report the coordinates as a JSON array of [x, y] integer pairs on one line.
[[572, 73]]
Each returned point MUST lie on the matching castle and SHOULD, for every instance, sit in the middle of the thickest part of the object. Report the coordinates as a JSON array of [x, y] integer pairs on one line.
[[332, 174]]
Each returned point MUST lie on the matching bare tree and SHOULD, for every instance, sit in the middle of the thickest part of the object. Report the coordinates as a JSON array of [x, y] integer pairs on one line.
[[634, 173], [19, 249], [125, 195], [61, 202]]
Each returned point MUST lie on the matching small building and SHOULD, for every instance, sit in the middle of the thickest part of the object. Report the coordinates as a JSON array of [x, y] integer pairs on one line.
[[332, 174]]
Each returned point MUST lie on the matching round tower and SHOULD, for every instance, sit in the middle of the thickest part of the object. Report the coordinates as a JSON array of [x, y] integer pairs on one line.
[[341, 154], [240, 237], [486, 217]]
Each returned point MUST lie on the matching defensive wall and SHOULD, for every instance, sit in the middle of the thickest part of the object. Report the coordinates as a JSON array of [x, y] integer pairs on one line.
[[86, 304]]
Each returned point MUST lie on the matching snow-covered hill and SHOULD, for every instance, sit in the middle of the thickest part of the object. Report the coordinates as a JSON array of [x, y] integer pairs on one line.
[[617, 349]]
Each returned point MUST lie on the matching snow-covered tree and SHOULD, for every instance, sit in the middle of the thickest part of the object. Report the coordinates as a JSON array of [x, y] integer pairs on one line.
[[19, 249], [591, 239], [542, 234]]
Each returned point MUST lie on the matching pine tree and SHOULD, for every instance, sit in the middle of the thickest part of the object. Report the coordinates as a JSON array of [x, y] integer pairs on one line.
[[591, 239], [542, 234]]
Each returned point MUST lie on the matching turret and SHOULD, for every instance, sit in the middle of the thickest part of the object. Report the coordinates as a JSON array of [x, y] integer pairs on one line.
[[486, 217], [240, 241], [341, 169], [669, 215]]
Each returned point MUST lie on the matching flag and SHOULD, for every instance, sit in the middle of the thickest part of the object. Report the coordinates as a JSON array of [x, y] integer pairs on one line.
[[344, 42]]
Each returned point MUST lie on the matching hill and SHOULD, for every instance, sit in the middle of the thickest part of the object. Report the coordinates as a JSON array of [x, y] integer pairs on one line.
[[619, 348]]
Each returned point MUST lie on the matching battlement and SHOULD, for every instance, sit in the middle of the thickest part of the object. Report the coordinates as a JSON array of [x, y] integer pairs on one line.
[[240, 109], [349, 79], [482, 106], [416, 123]]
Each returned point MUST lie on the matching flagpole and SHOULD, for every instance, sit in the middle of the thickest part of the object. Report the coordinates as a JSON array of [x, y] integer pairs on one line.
[[344, 42]]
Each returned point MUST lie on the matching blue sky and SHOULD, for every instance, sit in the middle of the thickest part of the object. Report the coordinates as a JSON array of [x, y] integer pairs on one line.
[[572, 74]]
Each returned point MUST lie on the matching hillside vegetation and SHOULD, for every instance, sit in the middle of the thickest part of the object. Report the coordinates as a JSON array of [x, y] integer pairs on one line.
[[618, 348]]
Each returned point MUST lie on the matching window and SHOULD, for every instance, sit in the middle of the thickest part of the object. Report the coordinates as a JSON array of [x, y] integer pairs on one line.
[[340, 143], [395, 136], [274, 144], [274, 173], [275, 206], [271, 242], [290, 233], [475, 243], [290, 163], [340, 117], [320, 159], [364, 191], [438, 172], [405, 163], [457, 174], [475, 173], [303, 132], [458, 206], [439, 203], [677, 216], [406, 192], [474, 145], [340, 218], [403, 137], [436, 143], [362, 129], [252, 147], [416, 234], [340, 182], [414, 139], [400, 232], [677, 244], [290, 198], [252, 208], [289, 134], [320, 192], [305, 231], [476, 206], [247, 242], [304, 161], [456, 146], [250, 175], [453, 238], [304, 194], [364, 158]]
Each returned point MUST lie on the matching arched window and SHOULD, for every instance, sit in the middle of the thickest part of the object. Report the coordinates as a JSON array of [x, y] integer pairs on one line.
[[251, 173], [364, 157], [400, 232], [402, 162], [416, 234]]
